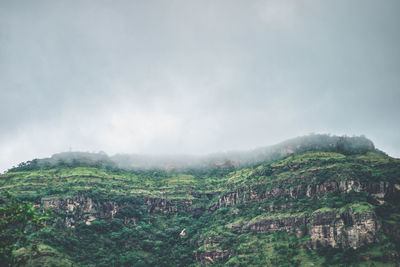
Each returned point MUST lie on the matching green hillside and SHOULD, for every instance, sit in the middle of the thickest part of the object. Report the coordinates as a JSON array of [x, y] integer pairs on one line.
[[330, 201]]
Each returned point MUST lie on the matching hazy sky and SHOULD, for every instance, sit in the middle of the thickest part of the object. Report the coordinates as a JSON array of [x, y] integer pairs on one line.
[[194, 76]]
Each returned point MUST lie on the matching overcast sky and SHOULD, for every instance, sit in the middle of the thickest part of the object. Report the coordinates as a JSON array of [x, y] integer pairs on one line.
[[194, 76]]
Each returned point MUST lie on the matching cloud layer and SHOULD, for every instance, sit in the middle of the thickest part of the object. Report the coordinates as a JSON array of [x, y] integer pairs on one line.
[[194, 76]]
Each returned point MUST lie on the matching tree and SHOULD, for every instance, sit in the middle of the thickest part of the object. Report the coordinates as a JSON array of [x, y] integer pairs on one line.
[[15, 217]]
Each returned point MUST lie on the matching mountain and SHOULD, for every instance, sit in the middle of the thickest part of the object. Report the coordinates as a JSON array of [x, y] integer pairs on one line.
[[317, 200]]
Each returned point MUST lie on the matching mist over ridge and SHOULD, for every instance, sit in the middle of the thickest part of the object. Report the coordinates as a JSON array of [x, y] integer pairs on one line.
[[222, 160]]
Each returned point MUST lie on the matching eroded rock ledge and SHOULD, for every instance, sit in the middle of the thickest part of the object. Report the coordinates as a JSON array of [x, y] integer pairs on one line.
[[333, 228], [251, 195], [81, 209]]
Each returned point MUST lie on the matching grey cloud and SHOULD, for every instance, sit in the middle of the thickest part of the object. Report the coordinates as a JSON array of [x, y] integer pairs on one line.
[[194, 76]]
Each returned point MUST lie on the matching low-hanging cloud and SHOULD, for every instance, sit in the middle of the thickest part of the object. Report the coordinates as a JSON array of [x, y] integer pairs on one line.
[[194, 76]]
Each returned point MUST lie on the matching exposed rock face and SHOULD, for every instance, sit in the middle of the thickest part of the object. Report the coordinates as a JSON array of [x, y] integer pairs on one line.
[[241, 195], [341, 229], [80, 209], [331, 228], [165, 205], [288, 224], [211, 252], [211, 256], [159, 204], [249, 195]]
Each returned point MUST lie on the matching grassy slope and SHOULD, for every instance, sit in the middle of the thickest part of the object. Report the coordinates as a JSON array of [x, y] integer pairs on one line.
[[155, 239]]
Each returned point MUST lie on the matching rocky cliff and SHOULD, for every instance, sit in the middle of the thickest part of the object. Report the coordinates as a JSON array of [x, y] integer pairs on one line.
[[80, 209], [343, 229], [251, 195], [302, 206]]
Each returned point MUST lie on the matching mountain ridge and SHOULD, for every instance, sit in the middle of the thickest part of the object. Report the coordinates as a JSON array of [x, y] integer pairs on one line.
[[330, 205]]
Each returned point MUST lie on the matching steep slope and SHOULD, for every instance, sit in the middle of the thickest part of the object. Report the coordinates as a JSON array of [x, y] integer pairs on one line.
[[323, 203]]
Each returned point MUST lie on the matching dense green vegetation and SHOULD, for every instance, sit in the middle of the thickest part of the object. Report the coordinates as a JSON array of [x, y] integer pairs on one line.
[[172, 217], [17, 219]]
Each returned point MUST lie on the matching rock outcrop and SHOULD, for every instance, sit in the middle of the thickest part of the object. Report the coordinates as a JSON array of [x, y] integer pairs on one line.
[[295, 224], [340, 229], [211, 253], [332, 228], [166, 205], [211, 256], [250, 195], [81, 209]]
